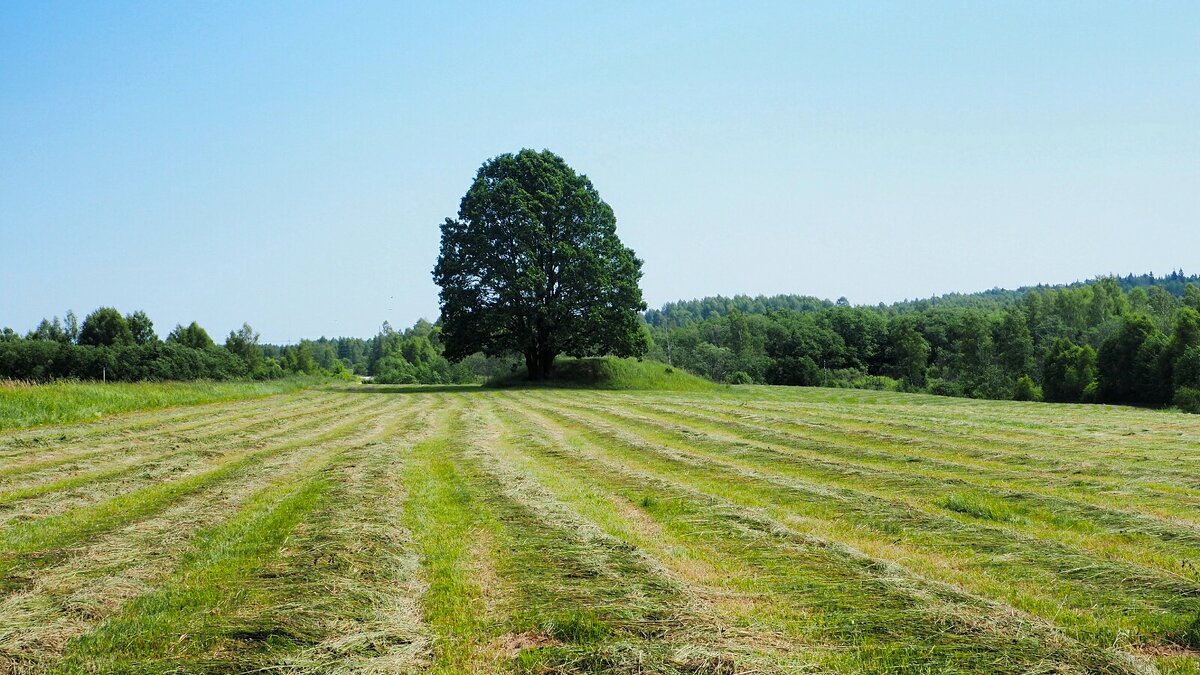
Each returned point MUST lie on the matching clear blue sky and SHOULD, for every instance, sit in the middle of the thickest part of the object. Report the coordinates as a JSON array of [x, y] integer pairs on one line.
[[288, 164]]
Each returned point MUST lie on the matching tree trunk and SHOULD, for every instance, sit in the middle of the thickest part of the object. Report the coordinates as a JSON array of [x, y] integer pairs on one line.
[[539, 361], [531, 365]]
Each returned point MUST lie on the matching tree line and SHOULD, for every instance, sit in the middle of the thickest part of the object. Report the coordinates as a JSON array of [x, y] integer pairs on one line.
[[414, 355], [125, 347], [1130, 340], [109, 345]]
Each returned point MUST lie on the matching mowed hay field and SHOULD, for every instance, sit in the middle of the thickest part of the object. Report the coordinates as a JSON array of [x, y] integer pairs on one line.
[[746, 529]]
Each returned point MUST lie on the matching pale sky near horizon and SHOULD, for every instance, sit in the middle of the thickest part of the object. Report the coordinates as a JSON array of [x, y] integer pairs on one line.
[[288, 164]]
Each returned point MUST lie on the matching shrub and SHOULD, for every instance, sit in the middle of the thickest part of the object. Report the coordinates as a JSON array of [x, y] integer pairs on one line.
[[876, 383], [740, 377], [940, 387], [1188, 399], [1026, 390]]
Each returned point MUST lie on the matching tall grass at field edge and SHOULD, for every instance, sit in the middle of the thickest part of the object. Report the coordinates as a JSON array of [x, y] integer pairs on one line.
[[24, 405]]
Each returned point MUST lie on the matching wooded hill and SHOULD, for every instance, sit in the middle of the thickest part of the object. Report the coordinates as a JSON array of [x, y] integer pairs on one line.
[[1133, 339]]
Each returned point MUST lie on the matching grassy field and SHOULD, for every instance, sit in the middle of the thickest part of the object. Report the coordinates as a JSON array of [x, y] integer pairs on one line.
[[25, 405], [745, 529]]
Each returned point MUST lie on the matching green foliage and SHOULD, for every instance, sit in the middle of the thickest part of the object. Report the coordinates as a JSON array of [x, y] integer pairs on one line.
[[1067, 371], [126, 349], [906, 351], [49, 330], [980, 345], [192, 336], [1026, 390], [299, 359], [533, 266], [1187, 399], [415, 356], [71, 326], [675, 314], [1186, 372], [611, 373], [141, 328], [243, 343], [1191, 296], [1013, 343], [105, 327], [740, 377], [1127, 359]]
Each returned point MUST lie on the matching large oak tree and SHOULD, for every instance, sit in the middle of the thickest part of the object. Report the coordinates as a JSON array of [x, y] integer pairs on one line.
[[533, 266]]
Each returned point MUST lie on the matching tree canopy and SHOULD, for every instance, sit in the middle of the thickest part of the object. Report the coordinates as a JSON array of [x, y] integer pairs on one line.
[[105, 327], [1084, 342], [532, 266], [191, 335]]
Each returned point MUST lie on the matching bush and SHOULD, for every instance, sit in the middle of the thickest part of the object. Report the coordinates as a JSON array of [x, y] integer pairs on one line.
[[740, 377], [1188, 399], [876, 383], [940, 387], [1026, 390]]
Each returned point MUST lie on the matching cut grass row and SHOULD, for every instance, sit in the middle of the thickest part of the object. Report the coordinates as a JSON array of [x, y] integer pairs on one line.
[[1138, 604], [1030, 500], [573, 531], [849, 611], [29, 544], [237, 599], [101, 552], [75, 486]]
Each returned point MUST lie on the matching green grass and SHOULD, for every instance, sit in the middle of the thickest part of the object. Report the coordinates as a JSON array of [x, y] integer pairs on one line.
[[611, 524], [25, 405], [611, 373]]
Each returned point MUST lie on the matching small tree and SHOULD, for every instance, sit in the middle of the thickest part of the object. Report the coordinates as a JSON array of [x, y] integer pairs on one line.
[[1067, 371], [1187, 380], [243, 343], [533, 266], [141, 327], [49, 330], [105, 327], [71, 326], [1026, 389], [907, 351], [1124, 366], [192, 336]]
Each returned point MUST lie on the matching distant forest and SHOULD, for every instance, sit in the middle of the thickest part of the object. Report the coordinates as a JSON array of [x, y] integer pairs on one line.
[[1132, 340], [112, 346]]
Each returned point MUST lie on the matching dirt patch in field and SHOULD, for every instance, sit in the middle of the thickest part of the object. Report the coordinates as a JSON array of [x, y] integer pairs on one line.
[[512, 645]]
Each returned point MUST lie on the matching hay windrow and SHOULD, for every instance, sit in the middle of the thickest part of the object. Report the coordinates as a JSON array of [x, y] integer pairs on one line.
[[749, 530]]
